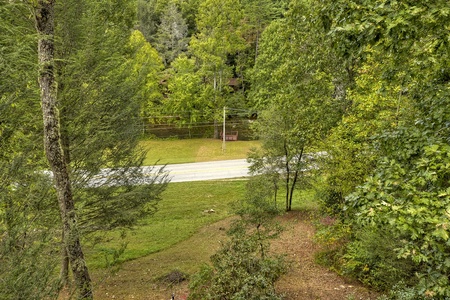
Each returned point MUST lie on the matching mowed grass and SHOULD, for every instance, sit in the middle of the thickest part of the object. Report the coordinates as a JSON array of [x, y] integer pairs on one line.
[[184, 210], [194, 150], [144, 277], [181, 213]]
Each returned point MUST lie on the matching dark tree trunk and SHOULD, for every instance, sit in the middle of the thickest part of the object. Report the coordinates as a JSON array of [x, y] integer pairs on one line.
[[288, 174], [290, 182], [294, 180], [44, 17]]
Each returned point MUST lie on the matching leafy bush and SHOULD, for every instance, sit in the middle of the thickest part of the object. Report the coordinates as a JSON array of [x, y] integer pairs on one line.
[[331, 200], [371, 258], [242, 269], [411, 200], [332, 235], [402, 292]]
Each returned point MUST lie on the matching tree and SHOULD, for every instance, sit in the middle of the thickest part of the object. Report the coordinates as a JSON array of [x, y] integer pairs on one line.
[[352, 148], [108, 79], [257, 15], [146, 67], [149, 14], [185, 86], [218, 24], [119, 83], [28, 218], [189, 9], [293, 88], [171, 37], [44, 17], [95, 71], [407, 190]]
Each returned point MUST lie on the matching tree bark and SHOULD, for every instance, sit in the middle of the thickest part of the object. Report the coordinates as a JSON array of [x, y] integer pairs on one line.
[[288, 174], [294, 181], [64, 271], [216, 124], [289, 181], [44, 19]]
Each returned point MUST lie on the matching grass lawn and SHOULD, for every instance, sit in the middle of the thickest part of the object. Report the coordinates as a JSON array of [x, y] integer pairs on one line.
[[180, 214], [194, 150]]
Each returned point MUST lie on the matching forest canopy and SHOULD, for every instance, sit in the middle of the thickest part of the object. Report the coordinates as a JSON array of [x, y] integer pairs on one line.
[[365, 81]]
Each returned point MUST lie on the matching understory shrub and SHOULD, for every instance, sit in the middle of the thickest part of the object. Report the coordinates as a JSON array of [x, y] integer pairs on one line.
[[370, 257], [244, 268], [402, 292], [241, 269]]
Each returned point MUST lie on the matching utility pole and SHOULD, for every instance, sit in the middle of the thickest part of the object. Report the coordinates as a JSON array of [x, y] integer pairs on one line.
[[223, 131]]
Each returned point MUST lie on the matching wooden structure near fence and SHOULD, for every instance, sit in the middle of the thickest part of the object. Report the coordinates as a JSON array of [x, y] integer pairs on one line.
[[231, 136]]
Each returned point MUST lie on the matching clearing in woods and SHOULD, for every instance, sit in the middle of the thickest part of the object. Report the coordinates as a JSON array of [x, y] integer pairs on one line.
[[306, 280]]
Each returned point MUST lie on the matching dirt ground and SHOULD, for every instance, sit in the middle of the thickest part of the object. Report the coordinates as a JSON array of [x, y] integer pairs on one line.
[[305, 280]]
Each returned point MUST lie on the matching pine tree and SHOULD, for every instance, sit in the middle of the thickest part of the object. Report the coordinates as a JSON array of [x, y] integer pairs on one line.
[[171, 37]]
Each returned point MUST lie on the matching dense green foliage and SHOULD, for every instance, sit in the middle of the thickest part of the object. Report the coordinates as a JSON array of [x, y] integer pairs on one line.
[[292, 84], [398, 134], [26, 197], [368, 81], [105, 78], [171, 37], [212, 72]]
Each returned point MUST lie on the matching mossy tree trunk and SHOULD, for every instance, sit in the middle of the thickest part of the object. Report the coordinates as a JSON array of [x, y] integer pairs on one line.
[[44, 18]]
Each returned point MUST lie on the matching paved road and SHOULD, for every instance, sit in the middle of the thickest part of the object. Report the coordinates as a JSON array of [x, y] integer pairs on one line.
[[224, 169], [213, 170], [207, 170]]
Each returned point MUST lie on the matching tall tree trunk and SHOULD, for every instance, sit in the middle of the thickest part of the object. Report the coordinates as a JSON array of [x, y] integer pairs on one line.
[[288, 173], [44, 17], [216, 124], [294, 180]]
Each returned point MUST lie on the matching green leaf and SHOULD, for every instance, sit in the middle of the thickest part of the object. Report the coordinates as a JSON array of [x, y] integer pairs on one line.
[[441, 233]]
